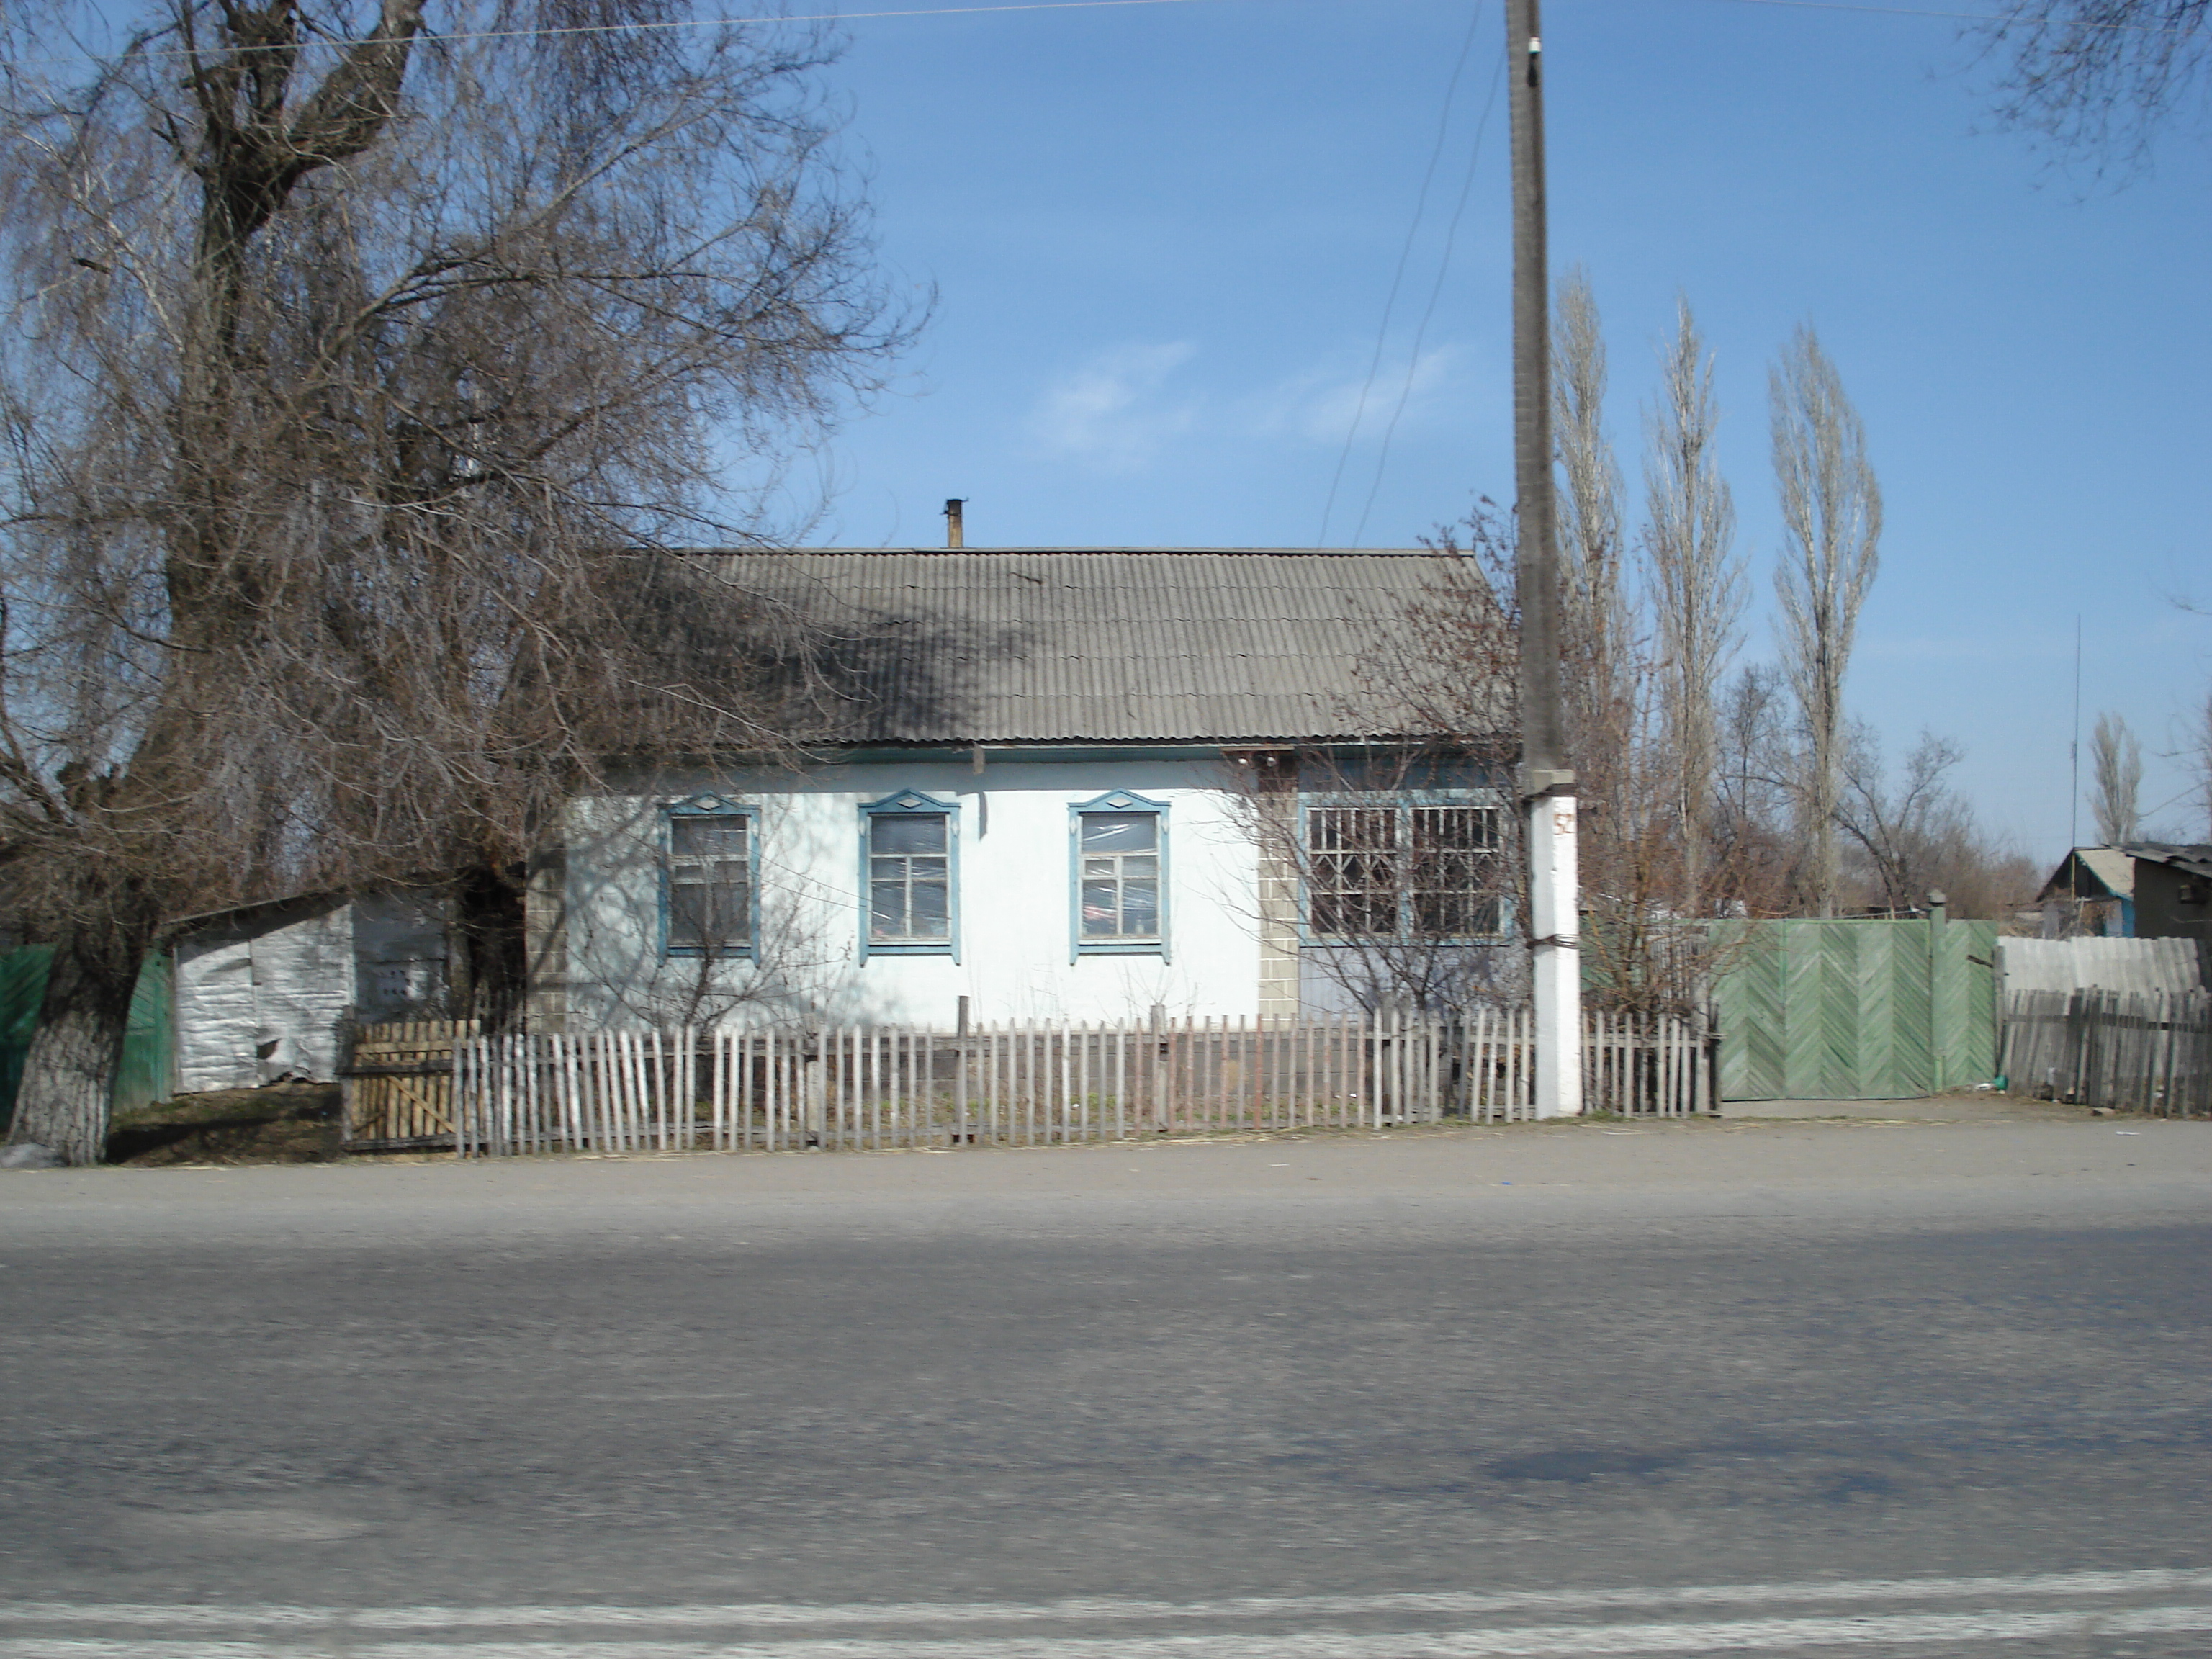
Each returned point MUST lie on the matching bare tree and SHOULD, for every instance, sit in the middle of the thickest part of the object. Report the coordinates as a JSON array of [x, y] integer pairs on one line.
[[1696, 582], [1455, 664], [1914, 834], [1832, 533], [1626, 853], [1899, 829], [1595, 628], [2098, 76], [1403, 856], [353, 385], [1752, 852], [2115, 780], [2198, 758], [1450, 671]]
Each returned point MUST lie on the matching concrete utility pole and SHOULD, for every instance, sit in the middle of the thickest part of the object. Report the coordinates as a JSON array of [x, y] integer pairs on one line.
[[1548, 785]]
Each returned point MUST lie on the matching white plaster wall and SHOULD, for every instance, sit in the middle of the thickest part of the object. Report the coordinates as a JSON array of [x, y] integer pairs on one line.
[[1014, 949]]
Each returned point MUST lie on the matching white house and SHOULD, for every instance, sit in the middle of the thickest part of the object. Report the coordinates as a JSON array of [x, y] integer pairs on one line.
[[1042, 795]]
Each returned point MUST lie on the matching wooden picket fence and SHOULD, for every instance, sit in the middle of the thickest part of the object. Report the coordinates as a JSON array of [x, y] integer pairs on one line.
[[396, 1085], [886, 1086], [2147, 1051]]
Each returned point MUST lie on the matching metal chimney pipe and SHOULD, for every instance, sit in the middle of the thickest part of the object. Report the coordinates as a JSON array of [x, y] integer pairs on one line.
[[952, 533]]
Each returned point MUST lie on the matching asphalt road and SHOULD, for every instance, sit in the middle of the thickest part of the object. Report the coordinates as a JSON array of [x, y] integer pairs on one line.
[[1735, 1387]]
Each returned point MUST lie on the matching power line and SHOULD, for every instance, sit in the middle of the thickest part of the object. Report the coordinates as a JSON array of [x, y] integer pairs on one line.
[[1398, 275], [1428, 314]]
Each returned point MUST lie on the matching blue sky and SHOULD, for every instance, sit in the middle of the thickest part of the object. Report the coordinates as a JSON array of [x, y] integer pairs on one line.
[[1162, 237]]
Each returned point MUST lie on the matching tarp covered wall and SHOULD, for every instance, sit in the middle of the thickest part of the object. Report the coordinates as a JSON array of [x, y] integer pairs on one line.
[[149, 1047], [271, 992]]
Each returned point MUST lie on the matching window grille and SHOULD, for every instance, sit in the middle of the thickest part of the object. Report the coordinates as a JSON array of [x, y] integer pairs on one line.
[[1453, 877], [1353, 889], [1429, 872]]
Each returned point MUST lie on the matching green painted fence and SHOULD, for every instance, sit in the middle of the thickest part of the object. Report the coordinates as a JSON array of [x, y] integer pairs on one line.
[[1854, 1010], [149, 1047]]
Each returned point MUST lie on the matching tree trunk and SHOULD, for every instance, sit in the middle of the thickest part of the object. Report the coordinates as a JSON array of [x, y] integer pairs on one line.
[[68, 1076]]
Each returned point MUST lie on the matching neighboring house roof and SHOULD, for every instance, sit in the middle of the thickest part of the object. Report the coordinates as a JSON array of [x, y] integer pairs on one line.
[[1122, 646], [2190, 858], [2110, 872]]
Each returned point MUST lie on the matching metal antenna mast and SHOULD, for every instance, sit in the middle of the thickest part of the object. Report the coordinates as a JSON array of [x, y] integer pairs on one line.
[[1547, 784], [2073, 792]]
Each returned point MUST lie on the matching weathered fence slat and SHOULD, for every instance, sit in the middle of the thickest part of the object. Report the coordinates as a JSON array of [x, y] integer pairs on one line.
[[866, 1087], [2136, 1051]]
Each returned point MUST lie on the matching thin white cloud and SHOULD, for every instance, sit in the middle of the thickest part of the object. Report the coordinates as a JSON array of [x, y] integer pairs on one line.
[[1117, 411], [1322, 405]]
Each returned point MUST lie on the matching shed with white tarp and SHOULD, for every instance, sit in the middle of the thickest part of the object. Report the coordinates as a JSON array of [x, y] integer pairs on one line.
[[270, 991]]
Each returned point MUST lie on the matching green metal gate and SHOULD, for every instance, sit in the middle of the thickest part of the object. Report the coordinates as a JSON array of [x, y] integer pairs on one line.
[[1854, 1010]]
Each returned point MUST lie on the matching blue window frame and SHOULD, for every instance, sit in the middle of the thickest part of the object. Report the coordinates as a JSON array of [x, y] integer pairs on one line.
[[1422, 868], [710, 878], [910, 876], [1118, 876]]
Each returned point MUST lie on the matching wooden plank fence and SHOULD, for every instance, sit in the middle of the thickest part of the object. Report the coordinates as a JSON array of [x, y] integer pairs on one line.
[[882, 1086], [397, 1084], [2147, 1051]]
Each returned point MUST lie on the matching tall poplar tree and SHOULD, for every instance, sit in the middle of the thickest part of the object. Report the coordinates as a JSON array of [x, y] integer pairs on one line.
[[1832, 535]]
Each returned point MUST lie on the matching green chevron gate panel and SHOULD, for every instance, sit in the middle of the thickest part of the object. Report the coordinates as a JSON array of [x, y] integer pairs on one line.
[[1859, 1009]]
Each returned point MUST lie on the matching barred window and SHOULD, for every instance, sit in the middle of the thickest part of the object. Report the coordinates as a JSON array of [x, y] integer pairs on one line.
[[710, 884], [1453, 876], [1428, 871], [1354, 884]]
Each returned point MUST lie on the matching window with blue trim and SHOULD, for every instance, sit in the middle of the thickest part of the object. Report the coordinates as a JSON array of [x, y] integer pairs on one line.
[[907, 848], [707, 880], [1120, 873]]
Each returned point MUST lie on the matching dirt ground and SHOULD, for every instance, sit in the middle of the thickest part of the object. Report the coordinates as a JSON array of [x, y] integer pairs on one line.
[[1957, 1106], [297, 1123], [282, 1123]]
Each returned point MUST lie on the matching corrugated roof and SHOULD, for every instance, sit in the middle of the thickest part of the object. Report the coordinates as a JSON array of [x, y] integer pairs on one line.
[[2104, 964], [2115, 866], [2111, 865], [1037, 645], [2191, 858]]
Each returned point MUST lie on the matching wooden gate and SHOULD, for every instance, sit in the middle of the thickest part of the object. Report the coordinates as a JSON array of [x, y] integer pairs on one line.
[[1861, 1010], [398, 1085]]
